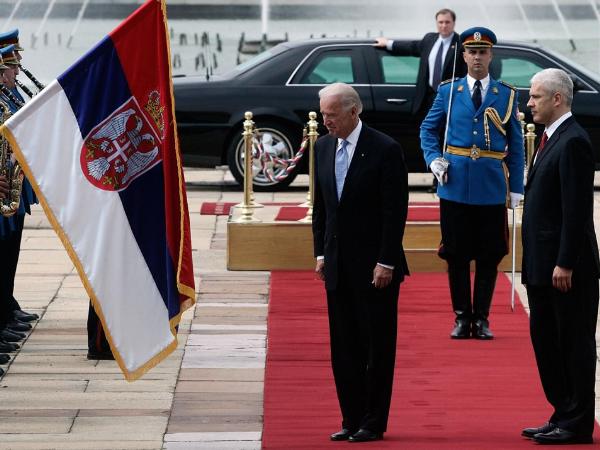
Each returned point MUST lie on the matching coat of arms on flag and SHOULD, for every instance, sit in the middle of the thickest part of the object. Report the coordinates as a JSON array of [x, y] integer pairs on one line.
[[108, 173]]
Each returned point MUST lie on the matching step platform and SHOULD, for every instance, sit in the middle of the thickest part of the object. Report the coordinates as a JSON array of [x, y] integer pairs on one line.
[[287, 245]]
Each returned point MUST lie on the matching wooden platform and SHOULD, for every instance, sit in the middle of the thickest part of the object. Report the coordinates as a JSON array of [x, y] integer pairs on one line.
[[271, 245]]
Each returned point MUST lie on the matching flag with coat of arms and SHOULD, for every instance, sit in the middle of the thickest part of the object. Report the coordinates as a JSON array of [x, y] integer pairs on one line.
[[99, 144]]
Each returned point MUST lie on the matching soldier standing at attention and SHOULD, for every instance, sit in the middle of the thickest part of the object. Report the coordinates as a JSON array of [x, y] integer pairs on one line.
[[480, 174]]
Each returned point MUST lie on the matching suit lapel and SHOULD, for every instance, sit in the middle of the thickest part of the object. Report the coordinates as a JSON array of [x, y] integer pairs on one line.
[[465, 94], [357, 160], [550, 144], [450, 54], [491, 95]]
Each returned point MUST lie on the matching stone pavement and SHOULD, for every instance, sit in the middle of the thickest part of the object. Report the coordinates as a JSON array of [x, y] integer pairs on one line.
[[206, 395]]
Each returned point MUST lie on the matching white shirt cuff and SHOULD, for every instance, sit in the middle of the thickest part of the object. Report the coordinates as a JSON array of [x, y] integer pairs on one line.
[[389, 45], [386, 266]]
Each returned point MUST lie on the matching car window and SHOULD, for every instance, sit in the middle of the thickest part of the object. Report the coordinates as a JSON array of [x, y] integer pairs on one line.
[[399, 69], [330, 67], [514, 70]]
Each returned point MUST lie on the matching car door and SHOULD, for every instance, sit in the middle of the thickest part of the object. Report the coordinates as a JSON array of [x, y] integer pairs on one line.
[[394, 80], [516, 66], [326, 64]]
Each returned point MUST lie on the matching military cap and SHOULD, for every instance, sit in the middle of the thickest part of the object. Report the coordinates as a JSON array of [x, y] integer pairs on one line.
[[478, 37], [2, 66], [10, 37], [8, 55]]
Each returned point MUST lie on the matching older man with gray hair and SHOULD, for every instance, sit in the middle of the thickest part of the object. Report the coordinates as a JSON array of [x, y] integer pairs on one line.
[[360, 208], [561, 266]]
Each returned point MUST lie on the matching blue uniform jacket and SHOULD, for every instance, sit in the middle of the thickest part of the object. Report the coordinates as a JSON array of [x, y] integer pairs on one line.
[[9, 225], [481, 181]]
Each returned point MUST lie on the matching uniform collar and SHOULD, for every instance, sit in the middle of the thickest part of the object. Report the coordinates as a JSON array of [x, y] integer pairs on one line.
[[484, 82]]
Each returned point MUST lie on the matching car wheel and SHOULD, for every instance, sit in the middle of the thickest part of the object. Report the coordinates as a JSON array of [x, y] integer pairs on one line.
[[277, 141]]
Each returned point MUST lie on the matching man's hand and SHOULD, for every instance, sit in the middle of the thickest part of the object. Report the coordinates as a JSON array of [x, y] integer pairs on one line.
[[515, 199], [561, 279], [319, 269], [382, 276], [439, 167], [380, 42], [3, 187]]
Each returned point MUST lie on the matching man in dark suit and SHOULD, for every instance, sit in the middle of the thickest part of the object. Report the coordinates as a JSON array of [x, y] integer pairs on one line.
[[440, 60], [560, 262], [437, 51], [360, 209]]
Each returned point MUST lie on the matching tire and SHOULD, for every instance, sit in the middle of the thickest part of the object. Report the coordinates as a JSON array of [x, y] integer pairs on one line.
[[285, 145]]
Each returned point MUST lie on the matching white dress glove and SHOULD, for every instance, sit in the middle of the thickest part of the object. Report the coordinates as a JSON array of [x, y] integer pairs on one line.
[[515, 199], [439, 167]]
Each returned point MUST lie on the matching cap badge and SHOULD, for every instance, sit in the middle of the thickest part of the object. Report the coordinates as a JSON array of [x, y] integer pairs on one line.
[[477, 36]]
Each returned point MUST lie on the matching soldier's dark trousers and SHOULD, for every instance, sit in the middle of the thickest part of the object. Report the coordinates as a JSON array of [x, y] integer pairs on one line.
[[10, 248], [459, 277]]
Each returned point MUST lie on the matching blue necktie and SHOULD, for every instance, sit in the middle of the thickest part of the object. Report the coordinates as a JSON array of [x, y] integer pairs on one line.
[[341, 167]]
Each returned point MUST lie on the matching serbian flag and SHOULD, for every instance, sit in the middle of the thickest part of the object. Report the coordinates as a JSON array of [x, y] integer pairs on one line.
[[99, 145]]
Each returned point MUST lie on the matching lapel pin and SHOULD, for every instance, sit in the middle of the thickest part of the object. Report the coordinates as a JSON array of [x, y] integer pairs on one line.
[[460, 88], [495, 90]]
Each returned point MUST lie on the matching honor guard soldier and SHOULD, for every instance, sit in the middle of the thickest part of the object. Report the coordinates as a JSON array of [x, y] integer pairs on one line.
[[479, 168], [11, 228]]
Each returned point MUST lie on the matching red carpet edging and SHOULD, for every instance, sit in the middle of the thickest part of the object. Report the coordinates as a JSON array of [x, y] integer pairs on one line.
[[448, 394]]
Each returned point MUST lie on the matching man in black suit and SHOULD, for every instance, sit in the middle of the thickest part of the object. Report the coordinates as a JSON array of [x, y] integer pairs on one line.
[[437, 51], [440, 60], [360, 209], [560, 262]]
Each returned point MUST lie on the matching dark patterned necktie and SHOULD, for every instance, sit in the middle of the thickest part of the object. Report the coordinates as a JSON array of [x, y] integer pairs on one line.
[[477, 95], [437, 68]]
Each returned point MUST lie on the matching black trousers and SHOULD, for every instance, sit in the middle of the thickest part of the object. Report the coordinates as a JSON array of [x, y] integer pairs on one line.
[[10, 250], [563, 334], [363, 326], [97, 342]]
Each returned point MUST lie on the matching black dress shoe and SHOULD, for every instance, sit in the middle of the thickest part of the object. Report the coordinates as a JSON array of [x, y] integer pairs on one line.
[[462, 329], [4, 358], [481, 330], [11, 336], [560, 436], [100, 355], [342, 435], [363, 435], [7, 347], [531, 432], [17, 325], [24, 316]]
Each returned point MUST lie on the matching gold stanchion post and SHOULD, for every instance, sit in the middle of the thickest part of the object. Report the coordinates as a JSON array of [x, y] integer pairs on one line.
[[529, 143], [312, 138], [248, 205]]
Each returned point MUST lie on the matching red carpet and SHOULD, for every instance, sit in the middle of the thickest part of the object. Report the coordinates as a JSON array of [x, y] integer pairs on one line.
[[447, 394], [417, 211]]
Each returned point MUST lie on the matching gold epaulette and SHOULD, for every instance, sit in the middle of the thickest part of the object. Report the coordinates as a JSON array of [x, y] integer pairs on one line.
[[449, 80], [510, 86]]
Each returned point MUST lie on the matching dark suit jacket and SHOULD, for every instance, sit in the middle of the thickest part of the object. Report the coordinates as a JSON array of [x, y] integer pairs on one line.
[[422, 49], [367, 225], [558, 225]]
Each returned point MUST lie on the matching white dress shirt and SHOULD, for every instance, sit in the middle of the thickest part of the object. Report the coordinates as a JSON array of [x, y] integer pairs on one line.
[[433, 53], [485, 84], [553, 127]]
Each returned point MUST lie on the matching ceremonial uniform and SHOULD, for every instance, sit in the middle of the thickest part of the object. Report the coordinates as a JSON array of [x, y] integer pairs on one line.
[[484, 158], [11, 228]]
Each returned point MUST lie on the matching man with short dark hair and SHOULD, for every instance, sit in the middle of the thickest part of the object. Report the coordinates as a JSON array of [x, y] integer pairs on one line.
[[561, 266], [480, 173], [360, 209], [440, 60]]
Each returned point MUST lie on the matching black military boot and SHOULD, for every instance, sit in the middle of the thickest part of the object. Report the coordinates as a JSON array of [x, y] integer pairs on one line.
[[485, 282], [459, 278]]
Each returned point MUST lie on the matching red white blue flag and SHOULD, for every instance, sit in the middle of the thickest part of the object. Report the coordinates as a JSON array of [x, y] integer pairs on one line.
[[99, 145]]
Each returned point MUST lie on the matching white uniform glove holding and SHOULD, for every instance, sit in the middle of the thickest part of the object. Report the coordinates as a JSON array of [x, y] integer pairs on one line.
[[515, 199], [439, 167]]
